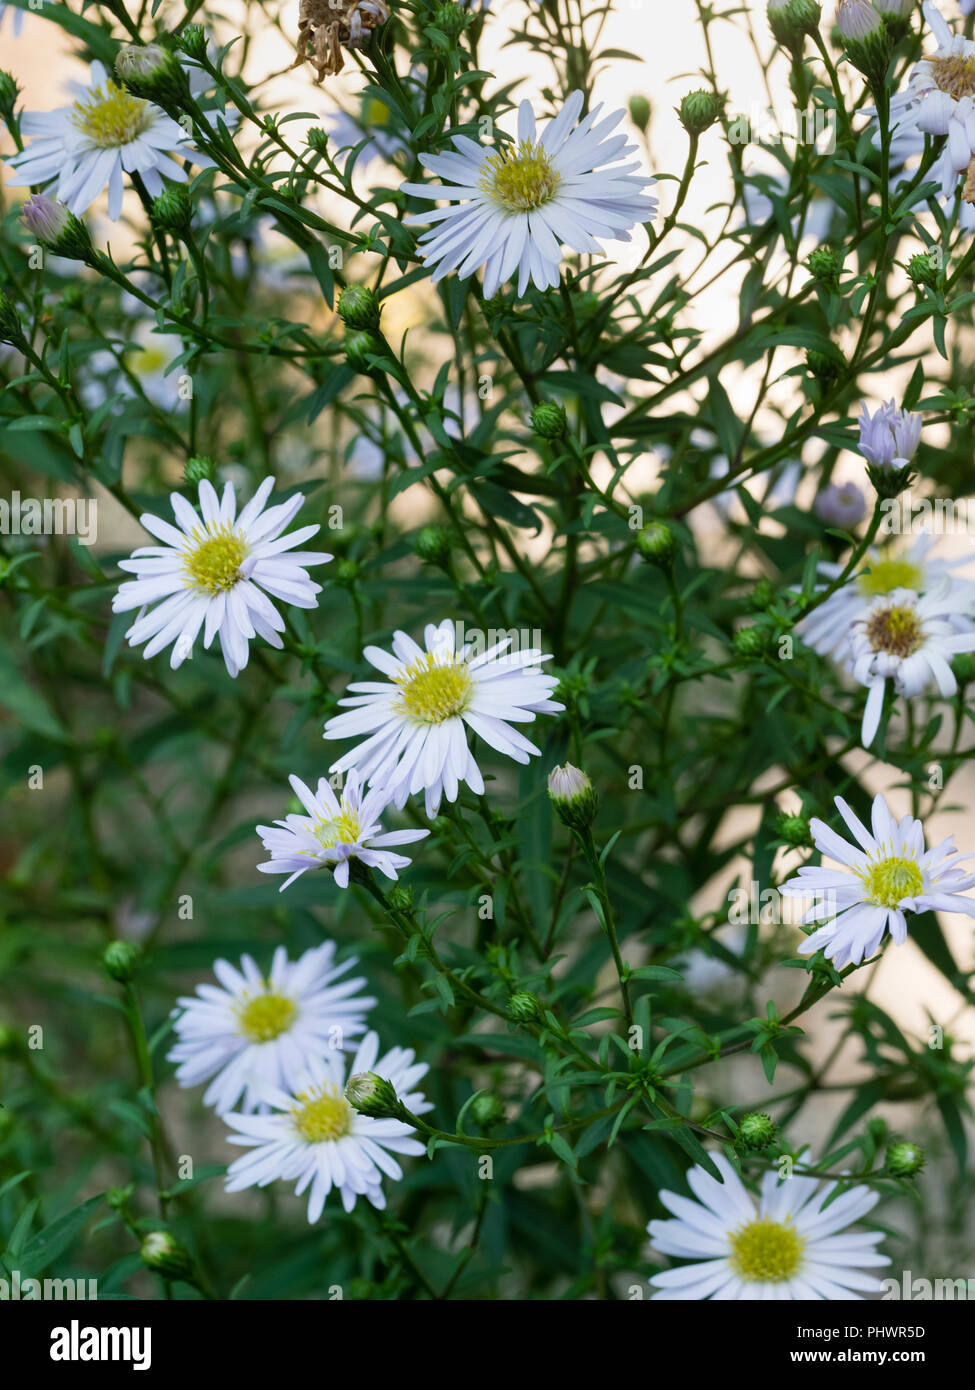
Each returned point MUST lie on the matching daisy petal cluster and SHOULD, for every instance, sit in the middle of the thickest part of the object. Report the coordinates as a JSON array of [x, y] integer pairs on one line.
[[787, 1245], [314, 1138], [886, 874], [251, 1033], [335, 831], [218, 570], [512, 209], [105, 133], [416, 722], [889, 437]]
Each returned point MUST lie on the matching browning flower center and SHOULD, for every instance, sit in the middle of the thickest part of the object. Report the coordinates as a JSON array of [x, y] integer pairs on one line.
[[111, 116], [954, 75], [522, 178], [896, 630], [433, 689], [891, 880], [768, 1252], [214, 564], [266, 1016], [323, 1115]]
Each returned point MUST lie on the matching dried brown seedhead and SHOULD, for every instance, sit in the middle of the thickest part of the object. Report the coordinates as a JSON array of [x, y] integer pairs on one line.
[[325, 27]]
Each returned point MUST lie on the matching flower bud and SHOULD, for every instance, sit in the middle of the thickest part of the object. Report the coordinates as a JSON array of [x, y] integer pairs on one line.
[[823, 367], [193, 41], [317, 139], [866, 38], [56, 227], [358, 307], [791, 20], [524, 1007], [573, 796], [904, 1160], [640, 112], [762, 596], [172, 210], [825, 265], [196, 469], [359, 346], [152, 72], [896, 14], [756, 1130], [794, 830], [10, 329], [432, 544], [401, 897], [373, 1095], [118, 1198], [487, 1111], [121, 960], [451, 19], [166, 1255], [9, 91], [751, 641], [963, 667], [548, 420], [658, 544], [925, 268], [699, 110]]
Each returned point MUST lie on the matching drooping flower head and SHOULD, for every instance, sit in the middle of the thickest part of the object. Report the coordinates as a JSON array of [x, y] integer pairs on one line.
[[252, 1033], [335, 831], [217, 571], [885, 875], [316, 1138], [513, 207], [416, 722], [788, 1244]]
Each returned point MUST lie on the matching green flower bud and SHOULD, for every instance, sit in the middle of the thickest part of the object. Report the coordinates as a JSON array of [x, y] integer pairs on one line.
[[896, 14], [358, 307], [823, 367], [825, 266], [172, 210], [196, 469], [890, 482], [165, 1255], [451, 20], [866, 39], [10, 329], [751, 641], [791, 20], [762, 596], [118, 1198], [433, 545], [658, 544], [548, 420], [487, 1111], [401, 897], [925, 268], [963, 667], [699, 110], [121, 960], [373, 1095], [152, 72], [9, 91], [347, 572], [359, 345], [193, 41], [904, 1160], [56, 227], [573, 796], [794, 830], [640, 112], [524, 1007], [756, 1130], [317, 139]]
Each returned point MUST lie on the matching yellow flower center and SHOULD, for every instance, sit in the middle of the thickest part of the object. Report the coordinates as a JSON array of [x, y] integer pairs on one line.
[[375, 112], [766, 1251], [434, 689], [895, 630], [266, 1016], [214, 565], [955, 75], [111, 116], [343, 829], [885, 575], [891, 880], [323, 1115], [149, 361], [521, 178]]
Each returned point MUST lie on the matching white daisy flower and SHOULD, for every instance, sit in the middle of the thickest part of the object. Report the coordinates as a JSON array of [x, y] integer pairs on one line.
[[88, 145], [334, 832], [416, 721], [910, 641], [827, 628], [890, 874], [785, 1246], [217, 574], [316, 1138], [513, 208], [940, 102], [254, 1034]]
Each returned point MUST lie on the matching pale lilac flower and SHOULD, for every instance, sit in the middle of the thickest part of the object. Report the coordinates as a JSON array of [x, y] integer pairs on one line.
[[889, 438], [841, 504]]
